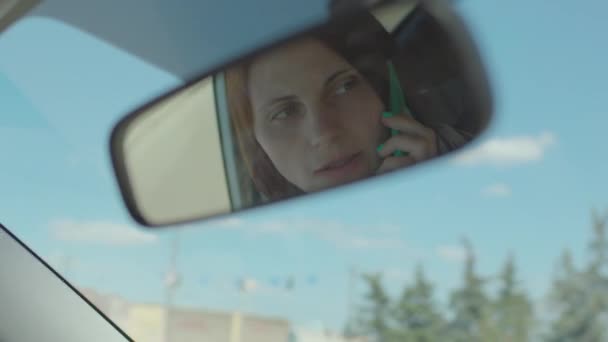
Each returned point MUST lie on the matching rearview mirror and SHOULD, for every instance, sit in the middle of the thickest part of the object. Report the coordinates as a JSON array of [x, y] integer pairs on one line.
[[372, 90]]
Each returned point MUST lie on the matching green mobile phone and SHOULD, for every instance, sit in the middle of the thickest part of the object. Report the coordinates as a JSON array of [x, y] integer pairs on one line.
[[397, 103]]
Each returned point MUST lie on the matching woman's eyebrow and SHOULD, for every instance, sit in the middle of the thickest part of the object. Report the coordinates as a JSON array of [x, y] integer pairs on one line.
[[270, 102], [336, 75], [329, 79]]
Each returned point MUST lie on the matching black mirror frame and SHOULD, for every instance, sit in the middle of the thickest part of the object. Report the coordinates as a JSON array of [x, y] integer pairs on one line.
[[440, 10]]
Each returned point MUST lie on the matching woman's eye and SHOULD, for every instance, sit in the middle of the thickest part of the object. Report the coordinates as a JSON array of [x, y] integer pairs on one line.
[[283, 113], [279, 115], [345, 86]]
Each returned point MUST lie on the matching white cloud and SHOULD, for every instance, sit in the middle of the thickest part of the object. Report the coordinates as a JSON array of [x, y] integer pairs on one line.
[[496, 190], [361, 242], [339, 234], [350, 236], [62, 262], [99, 232], [508, 151], [451, 253]]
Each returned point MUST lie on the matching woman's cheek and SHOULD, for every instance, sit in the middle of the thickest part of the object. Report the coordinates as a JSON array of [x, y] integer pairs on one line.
[[274, 133], [367, 101], [367, 110], [277, 142], [372, 107]]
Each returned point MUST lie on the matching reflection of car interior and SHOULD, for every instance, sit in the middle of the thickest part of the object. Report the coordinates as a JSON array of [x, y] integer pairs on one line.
[[38, 305], [389, 16], [428, 65]]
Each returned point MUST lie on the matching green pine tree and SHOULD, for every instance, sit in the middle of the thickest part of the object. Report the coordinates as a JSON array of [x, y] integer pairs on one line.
[[597, 270], [417, 317], [469, 304], [512, 311], [596, 280], [598, 246], [569, 299], [374, 318], [581, 296]]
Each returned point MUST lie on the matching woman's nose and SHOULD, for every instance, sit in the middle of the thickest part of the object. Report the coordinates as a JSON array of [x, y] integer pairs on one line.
[[324, 125]]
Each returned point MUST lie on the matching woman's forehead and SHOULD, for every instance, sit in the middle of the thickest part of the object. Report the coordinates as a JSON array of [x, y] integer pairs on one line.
[[307, 53], [296, 63]]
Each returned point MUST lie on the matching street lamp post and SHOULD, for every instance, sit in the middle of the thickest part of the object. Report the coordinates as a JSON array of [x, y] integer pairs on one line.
[[172, 281]]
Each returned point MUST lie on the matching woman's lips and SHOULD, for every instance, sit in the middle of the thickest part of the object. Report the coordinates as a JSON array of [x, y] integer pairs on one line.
[[340, 168]]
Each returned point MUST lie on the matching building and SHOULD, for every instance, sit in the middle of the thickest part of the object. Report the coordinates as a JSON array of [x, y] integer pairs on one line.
[[153, 323], [305, 335]]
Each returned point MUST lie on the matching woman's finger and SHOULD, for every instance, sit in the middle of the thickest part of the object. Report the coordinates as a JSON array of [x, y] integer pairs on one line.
[[417, 147], [408, 125], [394, 163]]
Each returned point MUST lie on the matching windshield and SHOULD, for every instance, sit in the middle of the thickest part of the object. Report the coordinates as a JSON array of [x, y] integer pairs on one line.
[[512, 227]]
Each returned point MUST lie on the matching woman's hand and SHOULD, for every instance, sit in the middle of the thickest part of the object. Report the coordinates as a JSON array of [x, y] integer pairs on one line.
[[417, 142]]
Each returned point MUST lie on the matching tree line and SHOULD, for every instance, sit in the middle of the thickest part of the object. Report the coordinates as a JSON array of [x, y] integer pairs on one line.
[[575, 309]]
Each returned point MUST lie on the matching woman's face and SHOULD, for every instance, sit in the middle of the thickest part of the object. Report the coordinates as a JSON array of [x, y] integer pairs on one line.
[[315, 116]]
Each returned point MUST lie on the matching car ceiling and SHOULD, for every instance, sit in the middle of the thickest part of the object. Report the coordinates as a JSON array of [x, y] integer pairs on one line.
[[164, 32]]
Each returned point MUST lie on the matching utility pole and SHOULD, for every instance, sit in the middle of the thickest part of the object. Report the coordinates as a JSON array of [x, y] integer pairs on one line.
[[172, 282]]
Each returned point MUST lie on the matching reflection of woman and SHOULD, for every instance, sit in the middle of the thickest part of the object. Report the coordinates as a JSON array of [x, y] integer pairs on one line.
[[308, 115]]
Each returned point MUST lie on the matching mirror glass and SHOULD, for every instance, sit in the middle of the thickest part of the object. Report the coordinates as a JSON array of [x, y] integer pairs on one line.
[[363, 95]]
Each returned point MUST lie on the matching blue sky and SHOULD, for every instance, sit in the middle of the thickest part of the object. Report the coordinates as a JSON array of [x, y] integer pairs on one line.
[[527, 187]]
